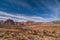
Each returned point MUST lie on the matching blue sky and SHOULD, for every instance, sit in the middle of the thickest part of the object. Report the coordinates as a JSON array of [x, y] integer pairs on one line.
[[35, 10]]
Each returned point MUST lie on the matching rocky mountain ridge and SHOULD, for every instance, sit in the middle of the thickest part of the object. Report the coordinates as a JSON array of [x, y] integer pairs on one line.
[[11, 22], [29, 30]]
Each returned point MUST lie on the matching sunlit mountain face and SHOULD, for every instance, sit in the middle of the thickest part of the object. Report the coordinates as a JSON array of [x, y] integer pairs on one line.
[[34, 10]]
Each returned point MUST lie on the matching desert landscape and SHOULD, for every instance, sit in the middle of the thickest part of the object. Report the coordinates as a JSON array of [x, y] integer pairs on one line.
[[29, 19], [29, 30]]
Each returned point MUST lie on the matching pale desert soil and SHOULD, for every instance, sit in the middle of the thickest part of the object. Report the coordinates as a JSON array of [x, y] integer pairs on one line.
[[29, 34]]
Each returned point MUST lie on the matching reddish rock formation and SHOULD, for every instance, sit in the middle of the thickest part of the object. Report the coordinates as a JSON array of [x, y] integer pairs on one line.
[[9, 22]]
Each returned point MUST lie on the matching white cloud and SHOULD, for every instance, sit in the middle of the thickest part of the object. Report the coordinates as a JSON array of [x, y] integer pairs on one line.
[[5, 15], [55, 10], [19, 3], [24, 18]]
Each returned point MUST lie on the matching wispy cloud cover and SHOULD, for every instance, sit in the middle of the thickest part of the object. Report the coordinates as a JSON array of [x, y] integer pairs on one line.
[[35, 10], [23, 18], [18, 18]]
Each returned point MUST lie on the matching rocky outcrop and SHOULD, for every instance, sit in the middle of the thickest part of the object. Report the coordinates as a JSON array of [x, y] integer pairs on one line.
[[29, 30], [56, 22], [9, 22]]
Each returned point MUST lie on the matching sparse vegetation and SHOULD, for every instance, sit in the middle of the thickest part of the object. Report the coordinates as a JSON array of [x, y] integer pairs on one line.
[[26, 34], [39, 31]]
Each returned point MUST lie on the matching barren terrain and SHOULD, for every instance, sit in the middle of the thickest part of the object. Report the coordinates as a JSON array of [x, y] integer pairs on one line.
[[29, 31]]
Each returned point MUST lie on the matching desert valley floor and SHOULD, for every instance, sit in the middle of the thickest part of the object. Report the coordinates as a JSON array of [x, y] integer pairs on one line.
[[29, 31]]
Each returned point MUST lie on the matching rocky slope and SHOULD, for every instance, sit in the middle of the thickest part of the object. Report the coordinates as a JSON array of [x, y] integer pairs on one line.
[[10, 30]]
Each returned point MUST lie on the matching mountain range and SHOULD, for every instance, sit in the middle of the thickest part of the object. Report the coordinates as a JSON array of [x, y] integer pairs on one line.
[[29, 30], [28, 23]]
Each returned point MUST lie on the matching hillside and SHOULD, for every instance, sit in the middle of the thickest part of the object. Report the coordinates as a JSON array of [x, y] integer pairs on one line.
[[29, 30]]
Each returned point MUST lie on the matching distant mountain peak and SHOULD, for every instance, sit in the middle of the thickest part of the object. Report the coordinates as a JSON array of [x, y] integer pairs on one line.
[[9, 21], [56, 21]]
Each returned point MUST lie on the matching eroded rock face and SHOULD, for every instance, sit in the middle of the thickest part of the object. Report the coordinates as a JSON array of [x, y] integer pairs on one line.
[[9, 22], [20, 31], [31, 23], [56, 22], [27, 23]]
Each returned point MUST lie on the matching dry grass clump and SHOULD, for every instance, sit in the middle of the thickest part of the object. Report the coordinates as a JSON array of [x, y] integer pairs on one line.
[[29, 34]]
